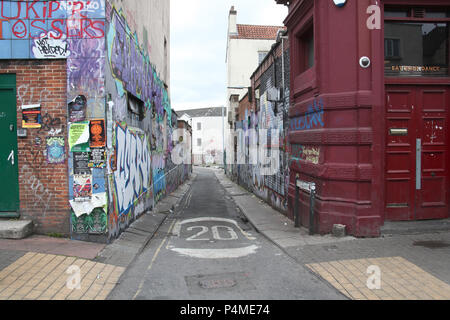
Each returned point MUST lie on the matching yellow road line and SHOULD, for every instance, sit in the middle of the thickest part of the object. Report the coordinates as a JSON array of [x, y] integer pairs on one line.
[[153, 260]]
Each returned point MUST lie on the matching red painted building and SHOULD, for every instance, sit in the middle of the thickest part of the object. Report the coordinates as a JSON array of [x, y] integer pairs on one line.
[[380, 124]]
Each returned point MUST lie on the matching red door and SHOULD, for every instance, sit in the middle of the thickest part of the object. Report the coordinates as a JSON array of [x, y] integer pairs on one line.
[[417, 140]]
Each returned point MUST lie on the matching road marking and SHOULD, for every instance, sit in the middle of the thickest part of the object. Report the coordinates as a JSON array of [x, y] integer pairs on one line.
[[177, 228], [213, 253], [153, 260], [217, 253]]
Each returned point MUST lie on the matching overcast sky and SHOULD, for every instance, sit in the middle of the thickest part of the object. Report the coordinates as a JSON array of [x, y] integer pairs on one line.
[[198, 46]]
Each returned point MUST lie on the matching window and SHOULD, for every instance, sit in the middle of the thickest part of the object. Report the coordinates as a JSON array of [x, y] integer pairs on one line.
[[309, 42], [199, 142], [392, 48], [306, 50], [135, 107], [416, 49], [199, 126], [261, 56]]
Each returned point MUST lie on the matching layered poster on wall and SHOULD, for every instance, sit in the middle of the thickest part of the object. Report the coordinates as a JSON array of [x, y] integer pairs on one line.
[[82, 188], [77, 109], [81, 163], [31, 116], [97, 133], [79, 137], [56, 153], [97, 158]]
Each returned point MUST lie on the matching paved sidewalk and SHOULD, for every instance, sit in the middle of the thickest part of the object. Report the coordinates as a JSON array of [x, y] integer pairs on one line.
[[395, 266], [45, 268]]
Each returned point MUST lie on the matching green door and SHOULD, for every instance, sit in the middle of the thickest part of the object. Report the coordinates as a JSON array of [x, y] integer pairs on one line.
[[9, 170]]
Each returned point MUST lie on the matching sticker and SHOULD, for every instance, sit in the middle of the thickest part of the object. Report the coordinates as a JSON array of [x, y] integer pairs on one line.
[[31, 116], [56, 153]]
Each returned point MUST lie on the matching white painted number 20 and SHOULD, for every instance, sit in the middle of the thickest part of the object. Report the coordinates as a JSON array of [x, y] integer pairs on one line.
[[215, 232]]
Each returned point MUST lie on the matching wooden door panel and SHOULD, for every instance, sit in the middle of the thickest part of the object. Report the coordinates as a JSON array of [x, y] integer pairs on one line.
[[399, 166], [432, 124]]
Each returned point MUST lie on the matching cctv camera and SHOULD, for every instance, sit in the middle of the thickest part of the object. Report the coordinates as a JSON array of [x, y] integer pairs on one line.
[[364, 62]]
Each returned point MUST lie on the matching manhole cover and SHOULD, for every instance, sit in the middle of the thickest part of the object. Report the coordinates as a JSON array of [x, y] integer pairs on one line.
[[217, 283], [225, 282], [330, 248], [432, 244]]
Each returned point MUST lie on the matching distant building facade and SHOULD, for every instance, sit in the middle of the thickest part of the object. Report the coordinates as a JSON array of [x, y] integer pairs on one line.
[[247, 46], [207, 134]]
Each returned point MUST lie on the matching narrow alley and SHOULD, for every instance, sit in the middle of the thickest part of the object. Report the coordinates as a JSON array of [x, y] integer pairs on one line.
[[206, 251]]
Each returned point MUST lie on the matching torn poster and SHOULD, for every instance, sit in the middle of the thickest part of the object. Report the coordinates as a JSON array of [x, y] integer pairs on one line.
[[79, 137], [31, 116], [56, 153], [77, 109], [98, 201], [82, 188]]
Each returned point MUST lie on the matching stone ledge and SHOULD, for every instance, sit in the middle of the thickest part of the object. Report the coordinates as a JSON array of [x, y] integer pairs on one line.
[[11, 229]]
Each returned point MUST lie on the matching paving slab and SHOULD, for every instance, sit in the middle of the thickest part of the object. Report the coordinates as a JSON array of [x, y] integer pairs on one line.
[[49, 245]]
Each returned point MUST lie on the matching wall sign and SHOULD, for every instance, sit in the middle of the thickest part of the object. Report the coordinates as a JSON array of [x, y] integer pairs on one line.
[[31, 116]]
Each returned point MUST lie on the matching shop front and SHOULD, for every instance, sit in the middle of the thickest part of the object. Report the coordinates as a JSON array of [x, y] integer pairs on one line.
[[370, 94]]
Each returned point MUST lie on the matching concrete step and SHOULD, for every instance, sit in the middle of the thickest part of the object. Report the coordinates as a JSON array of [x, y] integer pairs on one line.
[[415, 227], [15, 229]]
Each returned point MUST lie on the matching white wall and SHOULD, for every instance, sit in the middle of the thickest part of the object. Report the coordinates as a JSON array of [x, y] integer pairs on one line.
[[211, 135]]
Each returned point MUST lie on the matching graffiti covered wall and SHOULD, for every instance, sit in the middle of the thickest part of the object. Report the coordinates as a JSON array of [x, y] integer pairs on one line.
[[101, 121], [263, 131], [141, 173]]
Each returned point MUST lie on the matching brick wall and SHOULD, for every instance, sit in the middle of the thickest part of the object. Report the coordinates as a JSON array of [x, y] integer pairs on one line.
[[43, 187]]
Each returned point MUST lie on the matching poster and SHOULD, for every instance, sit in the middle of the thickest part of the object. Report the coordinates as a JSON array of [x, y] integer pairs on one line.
[[31, 116], [97, 158], [98, 134], [81, 163], [82, 188], [79, 137], [77, 109], [56, 153]]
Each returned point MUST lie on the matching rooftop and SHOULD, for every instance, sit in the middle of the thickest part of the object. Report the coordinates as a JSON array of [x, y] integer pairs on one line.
[[246, 31], [204, 112]]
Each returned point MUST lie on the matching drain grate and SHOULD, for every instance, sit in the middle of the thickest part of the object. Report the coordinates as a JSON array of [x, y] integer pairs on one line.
[[217, 283], [432, 244]]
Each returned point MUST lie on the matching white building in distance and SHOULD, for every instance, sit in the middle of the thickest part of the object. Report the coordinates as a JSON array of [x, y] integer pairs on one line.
[[207, 134], [247, 45]]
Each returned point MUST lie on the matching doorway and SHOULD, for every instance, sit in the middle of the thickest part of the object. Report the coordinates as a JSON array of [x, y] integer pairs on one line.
[[417, 140], [9, 170]]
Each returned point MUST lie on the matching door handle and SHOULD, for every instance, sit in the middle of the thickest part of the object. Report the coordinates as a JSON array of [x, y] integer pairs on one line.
[[11, 157], [419, 164]]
